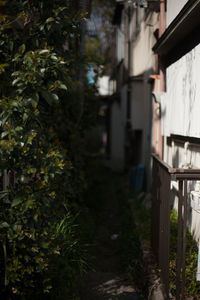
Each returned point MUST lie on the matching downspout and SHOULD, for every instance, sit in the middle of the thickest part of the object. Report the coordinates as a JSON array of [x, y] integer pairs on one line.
[[162, 26], [128, 94]]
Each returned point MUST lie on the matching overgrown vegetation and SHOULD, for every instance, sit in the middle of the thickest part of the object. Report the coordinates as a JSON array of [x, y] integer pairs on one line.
[[130, 243], [192, 287], [142, 215], [45, 113]]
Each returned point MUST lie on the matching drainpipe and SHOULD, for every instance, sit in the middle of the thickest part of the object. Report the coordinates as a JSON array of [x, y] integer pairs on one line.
[[128, 94], [162, 26]]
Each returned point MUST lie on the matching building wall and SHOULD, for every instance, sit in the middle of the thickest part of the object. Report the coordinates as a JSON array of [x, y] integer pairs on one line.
[[181, 102], [137, 31], [142, 66], [143, 57], [141, 118], [180, 111], [118, 119], [173, 8], [179, 155]]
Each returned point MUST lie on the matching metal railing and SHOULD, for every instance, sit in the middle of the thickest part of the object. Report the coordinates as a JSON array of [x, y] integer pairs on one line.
[[162, 175]]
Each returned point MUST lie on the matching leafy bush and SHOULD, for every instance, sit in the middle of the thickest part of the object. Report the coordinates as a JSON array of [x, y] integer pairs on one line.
[[192, 287], [43, 121]]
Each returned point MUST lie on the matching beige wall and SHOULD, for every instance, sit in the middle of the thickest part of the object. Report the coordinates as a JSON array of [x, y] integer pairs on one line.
[[142, 55], [141, 116], [173, 9]]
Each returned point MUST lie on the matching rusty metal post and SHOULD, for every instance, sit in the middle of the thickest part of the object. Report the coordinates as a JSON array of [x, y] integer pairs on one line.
[[184, 239], [162, 174], [155, 209], [179, 241], [164, 240]]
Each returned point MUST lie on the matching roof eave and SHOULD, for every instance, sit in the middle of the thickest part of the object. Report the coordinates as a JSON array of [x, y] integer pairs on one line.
[[175, 41]]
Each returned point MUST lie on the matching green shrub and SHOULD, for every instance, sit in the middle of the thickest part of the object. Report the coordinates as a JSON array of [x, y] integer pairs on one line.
[[192, 287], [43, 121]]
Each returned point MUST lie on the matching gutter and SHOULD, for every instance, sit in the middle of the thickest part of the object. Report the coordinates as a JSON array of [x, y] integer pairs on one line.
[[181, 35]]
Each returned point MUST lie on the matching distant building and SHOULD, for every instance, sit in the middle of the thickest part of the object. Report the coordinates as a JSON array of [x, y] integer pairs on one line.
[[136, 25]]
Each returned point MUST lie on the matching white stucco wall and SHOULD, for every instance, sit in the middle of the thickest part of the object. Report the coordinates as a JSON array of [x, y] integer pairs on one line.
[[173, 9], [180, 115], [142, 55], [103, 85], [180, 104]]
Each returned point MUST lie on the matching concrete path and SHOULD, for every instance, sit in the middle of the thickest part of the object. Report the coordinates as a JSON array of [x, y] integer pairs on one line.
[[107, 286], [107, 282]]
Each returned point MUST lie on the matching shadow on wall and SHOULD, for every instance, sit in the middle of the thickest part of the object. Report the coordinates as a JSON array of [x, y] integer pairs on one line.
[[175, 159]]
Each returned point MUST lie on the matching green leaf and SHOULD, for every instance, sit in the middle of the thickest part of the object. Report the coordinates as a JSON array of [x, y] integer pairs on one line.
[[22, 49], [16, 202], [18, 128], [5, 133], [63, 87], [15, 81], [55, 97], [3, 195], [51, 19], [53, 57], [25, 117], [44, 51], [15, 73], [50, 98], [4, 225], [34, 103]]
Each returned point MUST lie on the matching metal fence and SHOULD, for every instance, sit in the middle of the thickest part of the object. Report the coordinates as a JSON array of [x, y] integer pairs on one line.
[[163, 174]]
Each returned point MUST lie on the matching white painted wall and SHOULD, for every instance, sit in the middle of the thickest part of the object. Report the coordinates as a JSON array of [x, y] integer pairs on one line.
[[173, 9], [180, 105], [103, 85], [143, 57], [181, 115]]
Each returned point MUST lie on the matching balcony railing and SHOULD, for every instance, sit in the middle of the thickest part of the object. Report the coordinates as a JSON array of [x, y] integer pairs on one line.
[[163, 174]]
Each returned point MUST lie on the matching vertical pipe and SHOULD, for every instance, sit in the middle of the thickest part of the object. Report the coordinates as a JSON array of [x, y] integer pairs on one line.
[[155, 210], [164, 246], [184, 239], [129, 40], [128, 95], [168, 203], [179, 241], [162, 25]]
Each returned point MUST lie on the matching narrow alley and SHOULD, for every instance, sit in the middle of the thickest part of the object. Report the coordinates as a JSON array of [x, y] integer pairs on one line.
[[109, 280], [100, 150]]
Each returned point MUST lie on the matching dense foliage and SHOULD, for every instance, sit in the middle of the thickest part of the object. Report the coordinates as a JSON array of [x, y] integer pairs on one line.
[[192, 287], [45, 112]]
